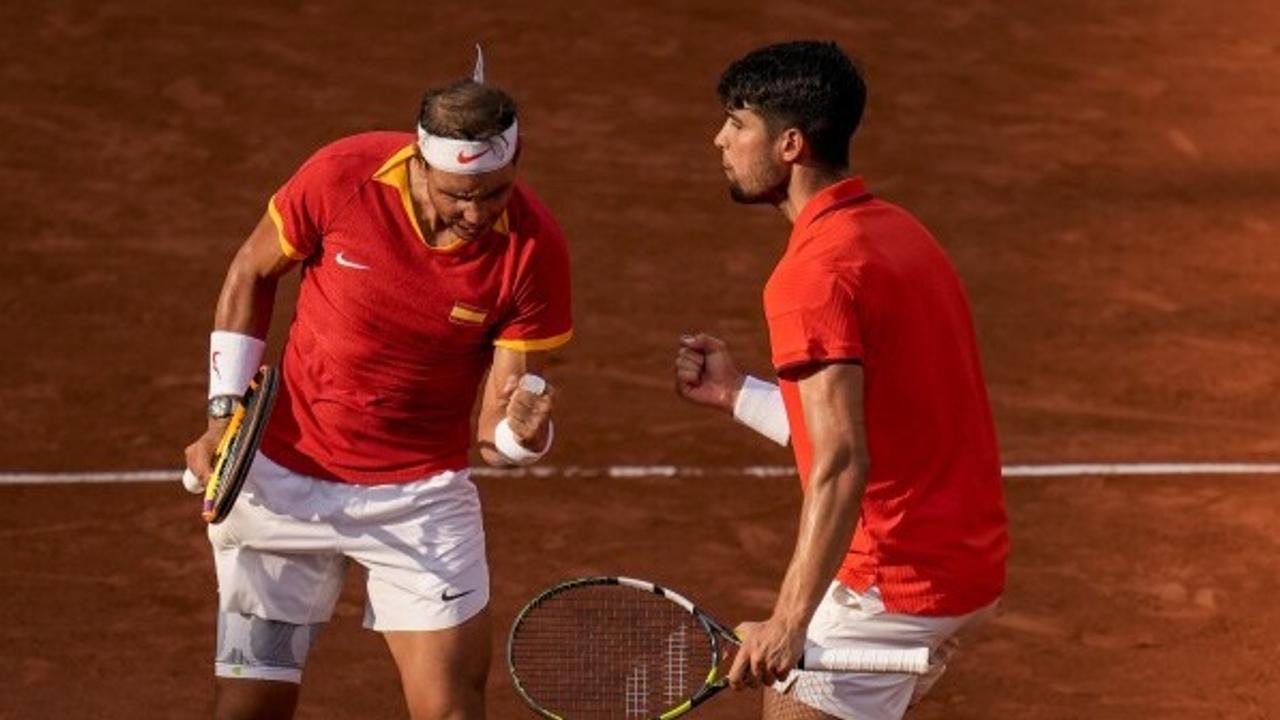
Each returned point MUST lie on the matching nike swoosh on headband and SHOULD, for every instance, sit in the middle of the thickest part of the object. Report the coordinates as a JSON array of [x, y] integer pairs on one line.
[[465, 159]]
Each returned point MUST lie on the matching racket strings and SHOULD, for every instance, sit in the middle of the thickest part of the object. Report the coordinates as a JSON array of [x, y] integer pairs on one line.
[[609, 651], [800, 701]]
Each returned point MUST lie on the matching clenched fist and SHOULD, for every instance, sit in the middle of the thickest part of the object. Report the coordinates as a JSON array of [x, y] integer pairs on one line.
[[705, 373], [528, 403]]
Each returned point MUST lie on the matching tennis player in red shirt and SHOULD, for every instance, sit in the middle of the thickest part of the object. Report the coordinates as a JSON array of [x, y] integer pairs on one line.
[[427, 266], [903, 535]]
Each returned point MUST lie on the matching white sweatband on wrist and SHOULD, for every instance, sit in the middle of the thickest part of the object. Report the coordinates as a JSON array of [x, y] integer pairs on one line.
[[505, 440], [233, 361], [759, 406]]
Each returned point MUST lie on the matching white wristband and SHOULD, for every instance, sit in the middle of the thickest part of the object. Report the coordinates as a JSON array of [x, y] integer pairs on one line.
[[233, 361], [759, 406], [505, 440]]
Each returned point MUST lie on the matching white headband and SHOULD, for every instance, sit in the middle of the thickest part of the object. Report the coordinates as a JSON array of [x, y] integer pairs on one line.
[[469, 157]]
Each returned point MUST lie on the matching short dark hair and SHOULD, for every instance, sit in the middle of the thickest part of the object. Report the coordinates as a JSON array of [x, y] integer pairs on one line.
[[809, 85], [466, 110]]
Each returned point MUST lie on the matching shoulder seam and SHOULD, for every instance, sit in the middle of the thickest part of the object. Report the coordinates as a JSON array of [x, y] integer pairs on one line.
[[345, 204]]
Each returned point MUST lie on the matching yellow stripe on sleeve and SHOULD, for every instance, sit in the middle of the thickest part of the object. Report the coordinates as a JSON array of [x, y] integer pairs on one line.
[[286, 247], [534, 345]]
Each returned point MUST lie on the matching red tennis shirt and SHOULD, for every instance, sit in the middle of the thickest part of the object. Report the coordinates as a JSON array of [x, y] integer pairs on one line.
[[861, 280], [392, 337]]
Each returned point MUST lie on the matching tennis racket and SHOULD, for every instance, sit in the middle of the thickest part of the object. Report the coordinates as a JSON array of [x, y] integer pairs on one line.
[[616, 647], [239, 445]]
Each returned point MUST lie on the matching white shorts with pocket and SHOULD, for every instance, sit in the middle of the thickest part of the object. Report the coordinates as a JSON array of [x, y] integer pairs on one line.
[[281, 553], [846, 618]]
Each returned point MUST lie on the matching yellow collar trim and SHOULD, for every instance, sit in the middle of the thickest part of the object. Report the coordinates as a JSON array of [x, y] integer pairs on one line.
[[395, 172]]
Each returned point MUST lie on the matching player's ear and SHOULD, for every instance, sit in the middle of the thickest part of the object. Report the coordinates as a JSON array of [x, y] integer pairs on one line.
[[791, 144]]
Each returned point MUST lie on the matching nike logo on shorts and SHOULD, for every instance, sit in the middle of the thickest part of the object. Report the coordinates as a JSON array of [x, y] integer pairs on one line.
[[445, 596], [344, 262]]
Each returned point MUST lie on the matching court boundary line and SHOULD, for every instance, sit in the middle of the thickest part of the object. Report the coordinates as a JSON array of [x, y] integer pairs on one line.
[[1058, 470]]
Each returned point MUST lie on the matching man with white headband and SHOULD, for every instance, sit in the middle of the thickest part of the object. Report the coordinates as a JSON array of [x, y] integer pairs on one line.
[[428, 272]]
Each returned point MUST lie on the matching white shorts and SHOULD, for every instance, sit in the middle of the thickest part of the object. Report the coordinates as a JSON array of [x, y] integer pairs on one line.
[[281, 553], [847, 618]]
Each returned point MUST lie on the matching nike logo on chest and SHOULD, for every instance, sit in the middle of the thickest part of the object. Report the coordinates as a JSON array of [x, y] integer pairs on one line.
[[346, 262]]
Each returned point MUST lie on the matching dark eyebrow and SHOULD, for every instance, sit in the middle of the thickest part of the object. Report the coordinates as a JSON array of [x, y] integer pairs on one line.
[[498, 190], [472, 196]]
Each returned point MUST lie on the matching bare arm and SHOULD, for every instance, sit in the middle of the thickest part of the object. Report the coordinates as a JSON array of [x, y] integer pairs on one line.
[[831, 396], [529, 416], [244, 306], [832, 402], [706, 375], [249, 291]]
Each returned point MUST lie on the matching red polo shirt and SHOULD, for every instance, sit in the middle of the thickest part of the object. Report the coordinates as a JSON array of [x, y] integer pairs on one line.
[[392, 336], [862, 280]]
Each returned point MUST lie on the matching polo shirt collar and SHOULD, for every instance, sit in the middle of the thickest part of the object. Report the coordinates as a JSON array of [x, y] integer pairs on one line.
[[843, 192], [395, 173]]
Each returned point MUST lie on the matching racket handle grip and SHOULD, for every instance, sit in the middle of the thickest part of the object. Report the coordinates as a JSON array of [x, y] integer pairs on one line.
[[883, 660]]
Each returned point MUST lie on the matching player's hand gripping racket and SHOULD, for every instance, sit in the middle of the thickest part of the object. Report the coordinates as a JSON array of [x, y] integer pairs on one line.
[[239, 445], [616, 647]]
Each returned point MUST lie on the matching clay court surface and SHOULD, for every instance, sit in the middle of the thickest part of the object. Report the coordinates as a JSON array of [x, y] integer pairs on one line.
[[1104, 175]]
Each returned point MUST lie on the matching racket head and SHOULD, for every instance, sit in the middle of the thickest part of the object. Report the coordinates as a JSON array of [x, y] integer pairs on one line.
[[239, 445], [614, 647]]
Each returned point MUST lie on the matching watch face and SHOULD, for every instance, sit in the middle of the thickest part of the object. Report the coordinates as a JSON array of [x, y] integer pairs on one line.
[[222, 406]]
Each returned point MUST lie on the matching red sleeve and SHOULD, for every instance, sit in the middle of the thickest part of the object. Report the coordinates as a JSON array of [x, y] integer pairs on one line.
[[815, 321], [542, 316], [302, 208]]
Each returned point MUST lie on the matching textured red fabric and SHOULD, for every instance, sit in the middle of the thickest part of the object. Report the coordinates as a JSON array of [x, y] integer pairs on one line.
[[392, 337], [862, 281]]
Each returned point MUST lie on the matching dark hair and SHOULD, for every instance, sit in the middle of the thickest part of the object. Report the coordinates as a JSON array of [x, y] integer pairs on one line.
[[466, 110], [808, 85]]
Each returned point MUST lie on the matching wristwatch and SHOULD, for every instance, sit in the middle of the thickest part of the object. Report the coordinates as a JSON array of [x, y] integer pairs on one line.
[[222, 406]]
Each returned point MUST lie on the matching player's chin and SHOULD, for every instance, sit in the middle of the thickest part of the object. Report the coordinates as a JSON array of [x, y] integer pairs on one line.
[[467, 232], [743, 196]]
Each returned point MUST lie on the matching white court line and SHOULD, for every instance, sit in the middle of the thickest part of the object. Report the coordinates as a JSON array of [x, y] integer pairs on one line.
[[681, 471], [1076, 470]]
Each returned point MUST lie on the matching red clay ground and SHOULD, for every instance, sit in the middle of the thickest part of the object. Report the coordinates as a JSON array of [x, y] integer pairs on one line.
[[1103, 174]]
